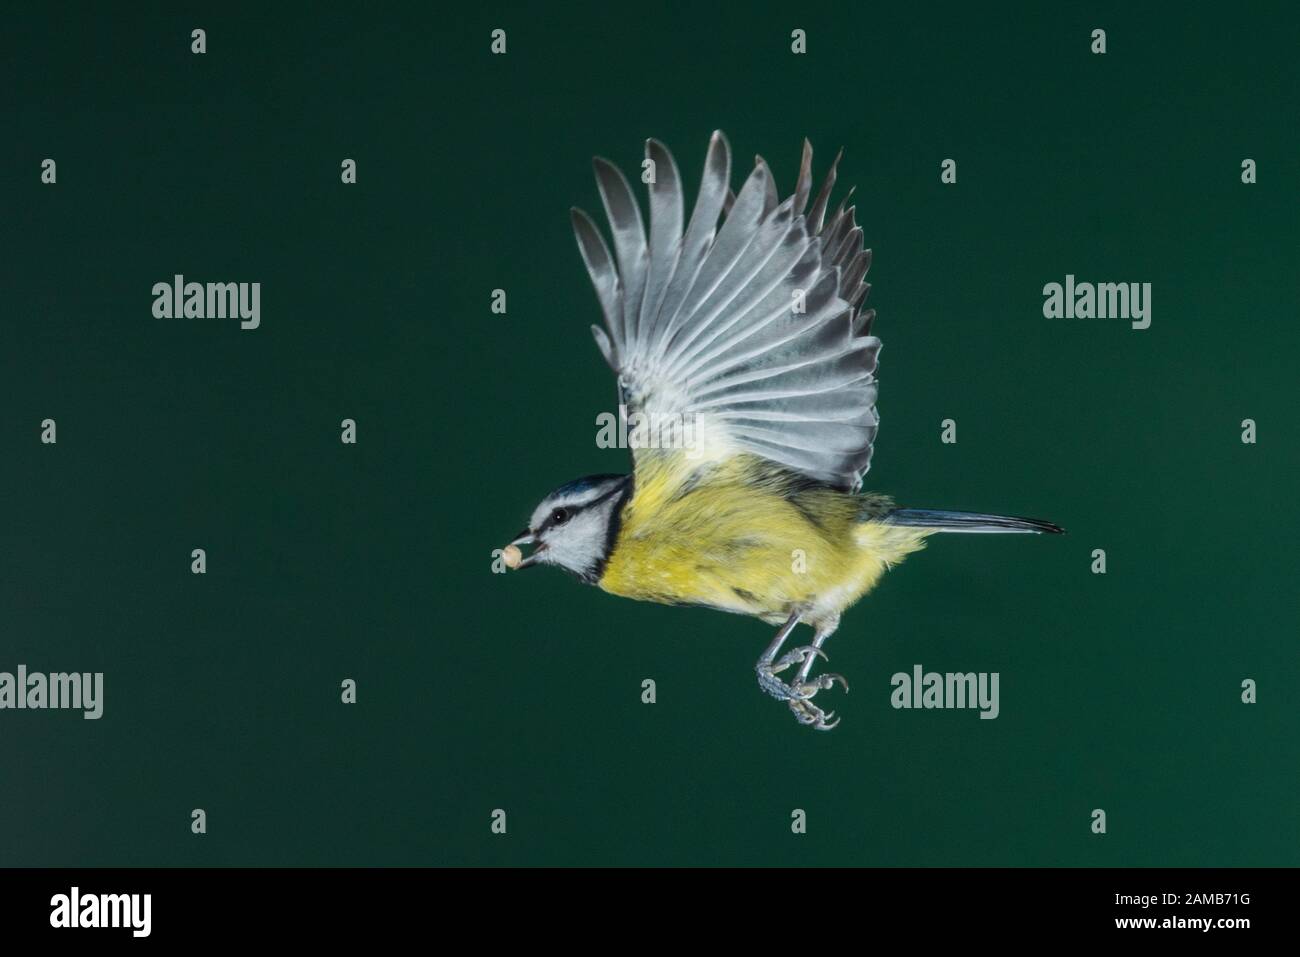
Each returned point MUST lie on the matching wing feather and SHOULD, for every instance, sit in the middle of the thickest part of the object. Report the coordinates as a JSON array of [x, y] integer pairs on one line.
[[803, 187], [823, 197], [629, 242], [666, 215], [738, 231], [604, 277], [699, 235]]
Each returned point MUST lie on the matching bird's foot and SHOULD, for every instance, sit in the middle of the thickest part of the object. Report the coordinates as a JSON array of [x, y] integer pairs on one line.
[[799, 693], [807, 713], [767, 672]]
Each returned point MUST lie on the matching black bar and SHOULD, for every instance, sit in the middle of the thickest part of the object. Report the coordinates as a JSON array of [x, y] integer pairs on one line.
[[238, 905]]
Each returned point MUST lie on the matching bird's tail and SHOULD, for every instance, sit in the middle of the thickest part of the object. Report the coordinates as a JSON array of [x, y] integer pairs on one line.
[[944, 520]]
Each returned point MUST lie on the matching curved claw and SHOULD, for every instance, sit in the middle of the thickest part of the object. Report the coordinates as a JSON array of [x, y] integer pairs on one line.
[[809, 714], [824, 682], [822, 725], [797, 656]]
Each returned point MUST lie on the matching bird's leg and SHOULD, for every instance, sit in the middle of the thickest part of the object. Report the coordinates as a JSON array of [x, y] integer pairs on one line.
[[819, 639], [767, 666], [801, 701]]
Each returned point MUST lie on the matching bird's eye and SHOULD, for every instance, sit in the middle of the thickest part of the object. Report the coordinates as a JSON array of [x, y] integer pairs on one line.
[[559, 516]]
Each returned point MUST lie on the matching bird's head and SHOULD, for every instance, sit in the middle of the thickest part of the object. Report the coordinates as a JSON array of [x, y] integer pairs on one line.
[[575, 526]]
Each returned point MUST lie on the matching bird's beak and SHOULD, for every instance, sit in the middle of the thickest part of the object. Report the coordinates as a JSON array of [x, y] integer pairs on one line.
[[526, 537]]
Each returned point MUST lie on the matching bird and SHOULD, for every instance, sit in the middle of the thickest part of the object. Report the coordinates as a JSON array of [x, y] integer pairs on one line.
[[744, 327]]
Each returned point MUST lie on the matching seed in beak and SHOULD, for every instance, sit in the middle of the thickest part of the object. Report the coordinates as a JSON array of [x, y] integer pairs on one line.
[[512, 556]]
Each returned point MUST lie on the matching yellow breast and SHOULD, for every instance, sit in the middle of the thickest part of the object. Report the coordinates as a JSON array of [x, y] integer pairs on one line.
[[746, 537]]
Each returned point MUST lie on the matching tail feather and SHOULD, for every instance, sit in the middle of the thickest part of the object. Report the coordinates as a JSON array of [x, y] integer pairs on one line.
[[944, 520]]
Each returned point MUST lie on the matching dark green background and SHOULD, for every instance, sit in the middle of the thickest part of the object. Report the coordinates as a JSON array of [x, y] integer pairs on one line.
[[479, 691]]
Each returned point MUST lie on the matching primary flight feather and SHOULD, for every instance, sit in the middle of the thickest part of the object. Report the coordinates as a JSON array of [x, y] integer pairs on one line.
[[749, 338]]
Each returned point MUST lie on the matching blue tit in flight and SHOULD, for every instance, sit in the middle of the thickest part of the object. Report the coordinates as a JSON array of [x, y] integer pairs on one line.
[[742, 327]]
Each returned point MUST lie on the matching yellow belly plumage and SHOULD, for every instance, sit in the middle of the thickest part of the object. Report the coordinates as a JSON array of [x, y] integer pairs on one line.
[[749, 537]]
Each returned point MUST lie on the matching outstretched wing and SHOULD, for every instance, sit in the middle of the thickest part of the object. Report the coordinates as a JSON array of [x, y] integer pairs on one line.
[[750, 332]]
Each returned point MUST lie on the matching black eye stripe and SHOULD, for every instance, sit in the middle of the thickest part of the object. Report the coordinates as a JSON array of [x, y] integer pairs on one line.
[[572, 508]]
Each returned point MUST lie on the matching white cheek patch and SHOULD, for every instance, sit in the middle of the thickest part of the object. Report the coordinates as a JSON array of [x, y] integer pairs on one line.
[[579, 544]]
